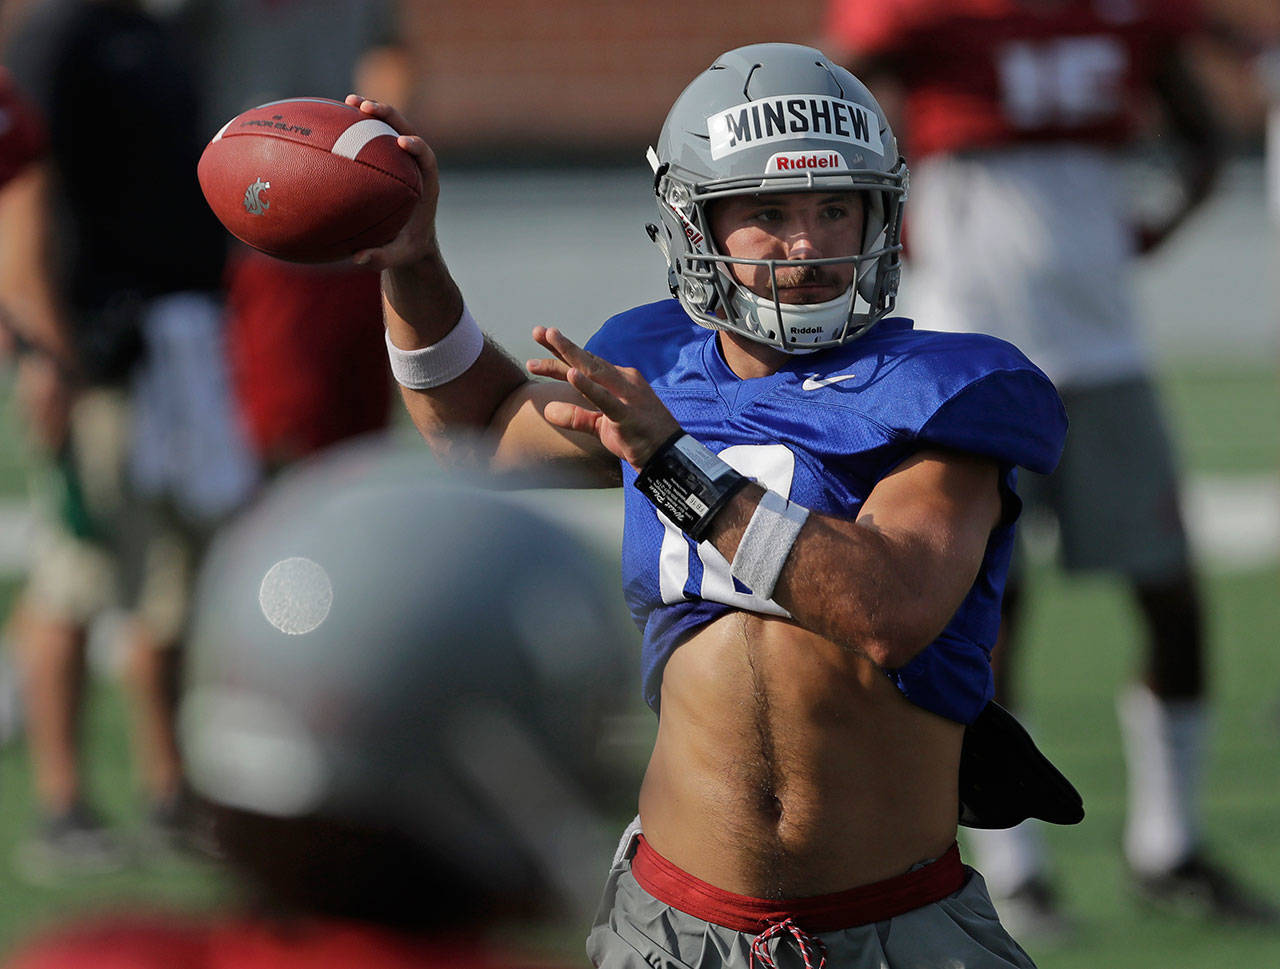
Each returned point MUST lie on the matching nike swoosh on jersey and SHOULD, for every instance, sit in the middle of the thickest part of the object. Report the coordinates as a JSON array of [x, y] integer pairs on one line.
[[814, 382]]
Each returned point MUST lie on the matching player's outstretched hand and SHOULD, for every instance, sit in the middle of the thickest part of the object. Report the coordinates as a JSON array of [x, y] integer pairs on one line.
[[417, 240], [629, 420]]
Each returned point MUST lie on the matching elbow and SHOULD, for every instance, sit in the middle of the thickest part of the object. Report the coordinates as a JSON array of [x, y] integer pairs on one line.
[[892, 645], [890, 637], [892, 652], [461, 451]]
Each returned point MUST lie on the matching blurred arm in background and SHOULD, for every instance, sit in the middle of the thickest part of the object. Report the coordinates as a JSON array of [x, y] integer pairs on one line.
[[31, 319]]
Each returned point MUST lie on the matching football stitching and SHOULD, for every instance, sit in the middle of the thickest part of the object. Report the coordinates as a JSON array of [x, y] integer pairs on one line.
[[414, 186], [358, 136]]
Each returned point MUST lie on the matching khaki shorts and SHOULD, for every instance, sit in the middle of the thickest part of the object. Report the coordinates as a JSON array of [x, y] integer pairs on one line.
[[1114, 495], [97, 545], [635, 930]]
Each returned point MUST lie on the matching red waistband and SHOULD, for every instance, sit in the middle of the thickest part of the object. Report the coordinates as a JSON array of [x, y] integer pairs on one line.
[[820, 913]]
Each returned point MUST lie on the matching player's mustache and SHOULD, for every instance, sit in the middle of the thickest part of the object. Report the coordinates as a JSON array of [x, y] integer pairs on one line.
[[788, 276]]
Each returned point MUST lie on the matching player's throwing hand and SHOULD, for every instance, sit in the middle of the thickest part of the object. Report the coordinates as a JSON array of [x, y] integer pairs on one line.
[[418, 237]]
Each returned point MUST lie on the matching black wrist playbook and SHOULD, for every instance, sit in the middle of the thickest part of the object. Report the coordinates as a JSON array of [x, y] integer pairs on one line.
[[687, 483]]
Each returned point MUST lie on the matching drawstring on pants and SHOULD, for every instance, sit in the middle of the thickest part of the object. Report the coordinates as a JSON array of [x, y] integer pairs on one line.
[[809, 945]]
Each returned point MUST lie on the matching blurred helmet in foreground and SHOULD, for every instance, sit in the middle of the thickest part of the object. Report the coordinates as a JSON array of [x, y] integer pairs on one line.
[[379, 649]]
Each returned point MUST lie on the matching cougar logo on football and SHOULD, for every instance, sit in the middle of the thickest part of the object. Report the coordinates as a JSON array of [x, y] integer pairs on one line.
[[254, 203]]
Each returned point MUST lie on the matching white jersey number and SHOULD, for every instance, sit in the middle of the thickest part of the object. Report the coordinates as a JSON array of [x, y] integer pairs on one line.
[[773, 466], [1070, 81]]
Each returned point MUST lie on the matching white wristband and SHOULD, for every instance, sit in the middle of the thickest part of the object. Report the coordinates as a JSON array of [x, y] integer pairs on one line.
[[444, 360], [767, 542]]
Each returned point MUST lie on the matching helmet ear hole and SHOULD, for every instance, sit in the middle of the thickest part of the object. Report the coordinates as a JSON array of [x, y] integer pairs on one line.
[[694, 292]]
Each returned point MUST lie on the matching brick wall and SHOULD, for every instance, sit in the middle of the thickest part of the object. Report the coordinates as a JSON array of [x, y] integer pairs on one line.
[[553, 80], [563, 80], [559, 76]]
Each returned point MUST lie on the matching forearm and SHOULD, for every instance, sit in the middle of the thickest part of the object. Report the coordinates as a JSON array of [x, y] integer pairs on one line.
[[851, 583], [473, 404], [884, 583], [422, 301], [423, 306], [26, 274]]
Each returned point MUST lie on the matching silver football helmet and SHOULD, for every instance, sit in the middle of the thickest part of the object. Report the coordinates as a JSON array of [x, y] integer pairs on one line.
[[764, 119], [377, 645]]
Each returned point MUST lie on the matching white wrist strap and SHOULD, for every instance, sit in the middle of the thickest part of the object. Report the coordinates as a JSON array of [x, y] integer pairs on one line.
[[767, 542], [444, 360]]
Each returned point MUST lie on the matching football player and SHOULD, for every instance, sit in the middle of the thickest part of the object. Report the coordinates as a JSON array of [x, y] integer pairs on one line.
[[137, 454], [1023, 227], [819, 515], [397, 706]]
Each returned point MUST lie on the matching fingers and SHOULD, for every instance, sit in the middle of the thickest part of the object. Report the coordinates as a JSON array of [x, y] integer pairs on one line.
[[384, 257], [582, 382], [408, 247], [598, 380], [541, 334], [409, 141], [417, 239], [373, 259], [384, 112], [562, 346], [419, 149], [575, 357], [557, 343], [624, 413], [585, 384], [571, 417], [545, 367]]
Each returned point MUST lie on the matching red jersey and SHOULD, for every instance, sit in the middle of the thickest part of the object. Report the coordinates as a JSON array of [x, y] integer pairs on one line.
[[162, 943], [22, 135], [989, 73], [308, 364]]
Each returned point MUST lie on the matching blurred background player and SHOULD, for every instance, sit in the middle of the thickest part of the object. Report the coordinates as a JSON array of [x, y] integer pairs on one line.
[[22, 144], [306, 370], [1015, 114], [113, 263], [397, 706]]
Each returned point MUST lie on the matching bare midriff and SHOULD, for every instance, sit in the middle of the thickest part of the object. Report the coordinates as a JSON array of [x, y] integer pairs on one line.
[[786, 766]]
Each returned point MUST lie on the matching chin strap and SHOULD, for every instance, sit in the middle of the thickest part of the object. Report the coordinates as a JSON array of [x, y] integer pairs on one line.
[[828, 317]]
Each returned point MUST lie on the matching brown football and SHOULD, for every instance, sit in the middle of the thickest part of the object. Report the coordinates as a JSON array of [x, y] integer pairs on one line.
[[309, 179]]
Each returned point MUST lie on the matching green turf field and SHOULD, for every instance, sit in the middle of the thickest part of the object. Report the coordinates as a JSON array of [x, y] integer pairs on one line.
[[1083, 633]]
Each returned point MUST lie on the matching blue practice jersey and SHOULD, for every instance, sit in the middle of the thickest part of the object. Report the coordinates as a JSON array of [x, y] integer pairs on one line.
[[822, 431]]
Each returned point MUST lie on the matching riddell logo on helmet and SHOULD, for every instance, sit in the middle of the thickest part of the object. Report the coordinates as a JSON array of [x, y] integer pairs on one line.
[[691, 231], [805, 161], [693, 235]]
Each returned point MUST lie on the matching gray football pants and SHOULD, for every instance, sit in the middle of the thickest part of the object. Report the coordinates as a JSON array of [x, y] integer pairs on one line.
[[635, 930]]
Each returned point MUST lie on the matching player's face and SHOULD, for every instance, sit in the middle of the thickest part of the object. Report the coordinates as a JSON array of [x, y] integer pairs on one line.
[[789, 226]]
